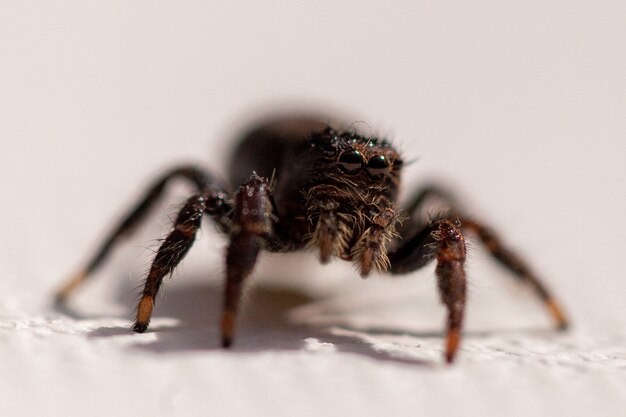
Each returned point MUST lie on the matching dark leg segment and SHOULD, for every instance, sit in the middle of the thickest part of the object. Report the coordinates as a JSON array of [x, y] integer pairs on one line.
[[428, 192], [444, 240], [200, 179], [252, 226], [175, 247], [520, 269]]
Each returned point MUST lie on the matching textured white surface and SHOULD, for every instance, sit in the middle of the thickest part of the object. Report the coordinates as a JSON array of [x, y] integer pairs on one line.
[[520, 106]]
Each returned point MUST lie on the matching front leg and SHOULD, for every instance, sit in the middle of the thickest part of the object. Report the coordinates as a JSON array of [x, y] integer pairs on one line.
[[176, 245], [443, 240], [251, 228]]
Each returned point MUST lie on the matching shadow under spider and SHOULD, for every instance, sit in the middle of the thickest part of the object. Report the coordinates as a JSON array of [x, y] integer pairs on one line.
[[263, 324]]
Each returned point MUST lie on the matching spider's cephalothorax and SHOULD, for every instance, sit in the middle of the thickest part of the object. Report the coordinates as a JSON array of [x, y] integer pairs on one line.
[[299, 183], [351, 197]]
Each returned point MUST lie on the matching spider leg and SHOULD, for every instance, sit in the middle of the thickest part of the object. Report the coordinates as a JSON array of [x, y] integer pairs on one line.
[[200, 179], [428, 192], [441, 239], [496, 248], [520, 269], [175, 247], [251, 229]]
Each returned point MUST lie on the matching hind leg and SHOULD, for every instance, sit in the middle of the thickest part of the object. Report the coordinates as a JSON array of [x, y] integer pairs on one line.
[[201, 180]]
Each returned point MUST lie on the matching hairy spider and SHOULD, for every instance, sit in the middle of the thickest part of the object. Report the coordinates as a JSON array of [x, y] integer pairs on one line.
[[332, 191]]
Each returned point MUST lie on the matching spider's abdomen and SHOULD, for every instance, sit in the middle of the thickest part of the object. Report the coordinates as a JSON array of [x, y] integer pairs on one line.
[[266, 147]]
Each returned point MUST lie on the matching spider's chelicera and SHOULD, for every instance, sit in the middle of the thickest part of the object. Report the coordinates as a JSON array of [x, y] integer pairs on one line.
[[332, 191]]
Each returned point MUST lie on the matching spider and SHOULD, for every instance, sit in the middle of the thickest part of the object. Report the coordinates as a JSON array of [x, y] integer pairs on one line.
[[331, 190]]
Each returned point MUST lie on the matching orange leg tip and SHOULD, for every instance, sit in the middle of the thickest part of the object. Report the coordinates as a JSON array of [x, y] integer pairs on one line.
[[70, 286], [452, 345], [144, 310], [557, 313], [228, 326]]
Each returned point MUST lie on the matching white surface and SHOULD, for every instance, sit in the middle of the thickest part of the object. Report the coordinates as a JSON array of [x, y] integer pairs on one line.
[[520, 106]]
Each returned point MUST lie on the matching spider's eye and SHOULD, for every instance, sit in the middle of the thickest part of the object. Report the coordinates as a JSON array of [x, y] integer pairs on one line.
[[350, 162], [377, 166]]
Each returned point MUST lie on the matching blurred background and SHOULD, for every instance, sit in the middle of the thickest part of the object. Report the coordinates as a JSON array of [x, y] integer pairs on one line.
[[519, 107]]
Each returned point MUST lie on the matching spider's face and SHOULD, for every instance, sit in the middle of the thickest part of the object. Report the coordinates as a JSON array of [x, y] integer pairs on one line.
[[359, 158], [350, 205]]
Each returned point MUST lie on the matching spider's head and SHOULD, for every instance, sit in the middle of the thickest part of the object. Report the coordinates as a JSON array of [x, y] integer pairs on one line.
[[363, 160], [351, 201]]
